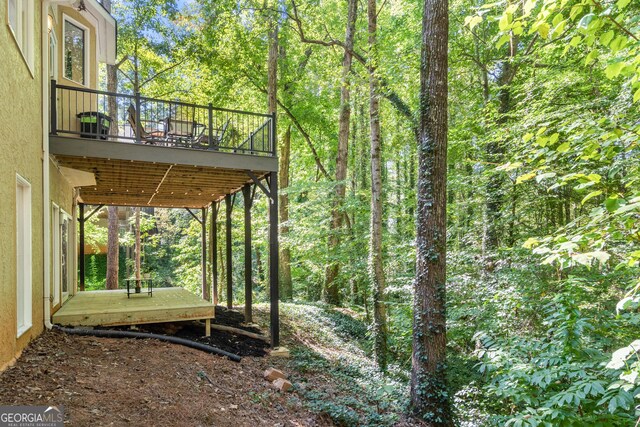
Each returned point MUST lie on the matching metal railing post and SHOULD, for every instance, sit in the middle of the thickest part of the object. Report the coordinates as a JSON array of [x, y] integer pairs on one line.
[[272, 137], [138, 124], [54, 109], [210, 127]]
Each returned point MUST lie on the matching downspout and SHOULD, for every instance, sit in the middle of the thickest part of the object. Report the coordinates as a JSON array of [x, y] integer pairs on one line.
[[46, 212]]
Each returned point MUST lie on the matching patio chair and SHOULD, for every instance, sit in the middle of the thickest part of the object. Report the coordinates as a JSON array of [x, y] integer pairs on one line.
[[149, 137], [218, 137]]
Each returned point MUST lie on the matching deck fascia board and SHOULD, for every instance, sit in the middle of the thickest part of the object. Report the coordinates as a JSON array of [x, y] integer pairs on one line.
[[97, 308], [94, 148]]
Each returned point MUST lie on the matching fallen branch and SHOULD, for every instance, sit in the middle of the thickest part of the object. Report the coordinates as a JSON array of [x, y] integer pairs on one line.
[[241, 332]]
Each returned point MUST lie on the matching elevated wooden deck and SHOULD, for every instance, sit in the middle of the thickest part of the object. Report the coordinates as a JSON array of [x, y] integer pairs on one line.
[[111, 308]]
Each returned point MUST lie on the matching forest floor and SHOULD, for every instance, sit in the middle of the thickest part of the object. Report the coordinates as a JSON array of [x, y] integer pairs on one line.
[[106, 381]]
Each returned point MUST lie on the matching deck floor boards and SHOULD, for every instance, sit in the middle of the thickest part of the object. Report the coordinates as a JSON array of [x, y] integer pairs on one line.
[[110, 308]]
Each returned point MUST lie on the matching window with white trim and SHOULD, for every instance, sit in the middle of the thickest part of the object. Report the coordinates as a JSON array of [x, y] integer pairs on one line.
[[57, 257], [20, 17], [75, 55], [24, 255]]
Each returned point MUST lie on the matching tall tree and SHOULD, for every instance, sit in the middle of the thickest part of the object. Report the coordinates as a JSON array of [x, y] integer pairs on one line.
[[138, 250], [331, 290], [284, 158], [376, 271], [113, 248], [429, 398]]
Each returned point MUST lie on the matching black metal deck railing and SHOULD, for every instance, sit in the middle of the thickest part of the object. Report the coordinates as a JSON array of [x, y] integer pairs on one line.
[[116, 117]]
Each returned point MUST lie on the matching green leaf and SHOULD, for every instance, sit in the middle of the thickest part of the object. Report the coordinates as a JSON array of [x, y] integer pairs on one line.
[[575, 11], [504, 22], [622, 4], [563, 148], [613, 203], [606, 38], [594, 177], [613, 70], [544, 176], [591, 196], [472, 21], [543, 30], [525, 177], [504, 39], [618, 44], [527, 137], [636, 96], [591, 57]]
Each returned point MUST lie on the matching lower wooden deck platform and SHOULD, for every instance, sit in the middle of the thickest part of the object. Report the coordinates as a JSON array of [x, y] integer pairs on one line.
[[111, 308]]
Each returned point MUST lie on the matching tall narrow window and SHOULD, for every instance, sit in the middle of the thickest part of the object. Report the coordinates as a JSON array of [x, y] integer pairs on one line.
[[57, 258], [12, 10], [74, 52], [21, 21], [53, 55], [23, 252], [65, 259]]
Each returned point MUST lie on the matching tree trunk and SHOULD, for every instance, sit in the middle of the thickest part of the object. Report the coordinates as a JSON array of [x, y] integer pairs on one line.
[[331, 290], [375, 249], [113, 247], [223, 273], [286, 286], [429, 398], [494, 155], [272, 65], [138, 250], [112, 105]]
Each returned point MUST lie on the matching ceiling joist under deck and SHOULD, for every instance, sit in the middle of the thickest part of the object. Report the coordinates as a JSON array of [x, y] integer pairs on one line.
[[139, 183]]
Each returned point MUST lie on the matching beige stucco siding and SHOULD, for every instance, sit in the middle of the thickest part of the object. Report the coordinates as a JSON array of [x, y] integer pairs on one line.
[[20, 153]]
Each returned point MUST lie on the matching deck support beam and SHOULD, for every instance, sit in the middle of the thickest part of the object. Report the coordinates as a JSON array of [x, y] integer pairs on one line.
[[274, 293], [205, 286], [215, 208], [81, 221], [248, 279], [229, 209]]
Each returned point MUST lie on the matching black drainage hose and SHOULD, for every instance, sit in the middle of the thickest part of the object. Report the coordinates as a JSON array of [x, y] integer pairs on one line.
[[107, 333]]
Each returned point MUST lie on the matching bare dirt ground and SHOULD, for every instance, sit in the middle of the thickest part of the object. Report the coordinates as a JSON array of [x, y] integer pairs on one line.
[[116, 382], [103, 382]]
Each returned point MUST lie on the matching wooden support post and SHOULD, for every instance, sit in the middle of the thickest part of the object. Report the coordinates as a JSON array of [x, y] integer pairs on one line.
[[207, 328], [214, 250], [81, 246], [274, 295], [228, 205], [248, 279], [205, 287]]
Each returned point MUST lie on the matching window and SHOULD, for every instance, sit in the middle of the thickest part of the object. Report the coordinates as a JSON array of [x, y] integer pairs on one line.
[[53, 55], [23, 250], [74, 52], [20, 15], [66, 254], [57, 257]]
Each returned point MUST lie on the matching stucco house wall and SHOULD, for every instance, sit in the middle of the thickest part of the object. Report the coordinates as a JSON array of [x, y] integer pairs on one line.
[[21, 153]]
